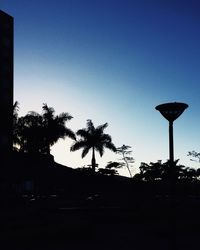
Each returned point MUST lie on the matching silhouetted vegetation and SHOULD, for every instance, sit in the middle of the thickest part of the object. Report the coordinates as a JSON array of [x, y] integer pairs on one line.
[[157, 171], [126, 159], [110, 169], [16, 140], [39, 186], [36, 133], [195, 156], [94, 139]]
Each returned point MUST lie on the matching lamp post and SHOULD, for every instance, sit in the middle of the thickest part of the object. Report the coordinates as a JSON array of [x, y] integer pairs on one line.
[[171, 111]]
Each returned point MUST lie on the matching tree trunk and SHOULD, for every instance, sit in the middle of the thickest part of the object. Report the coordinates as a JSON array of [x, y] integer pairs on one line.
[[126, 162], [93, 160]]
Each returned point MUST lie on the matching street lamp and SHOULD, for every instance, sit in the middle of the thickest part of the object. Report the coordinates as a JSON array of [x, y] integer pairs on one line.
[[171, 111]]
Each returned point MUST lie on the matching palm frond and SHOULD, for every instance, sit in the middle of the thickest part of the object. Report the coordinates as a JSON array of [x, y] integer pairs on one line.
[[48, 112], [106, 138], [100, 149], [83, 133], [93, 138], [64, 117], [85, 151], [16, 107], [90, 125], [102, 127], [78, 145], [69, 133], [110, 146]]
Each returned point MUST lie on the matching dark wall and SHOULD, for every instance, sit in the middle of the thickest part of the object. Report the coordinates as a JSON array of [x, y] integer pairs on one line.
[[6, 82]]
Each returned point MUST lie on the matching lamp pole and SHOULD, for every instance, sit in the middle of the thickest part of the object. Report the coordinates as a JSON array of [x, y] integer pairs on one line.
[[171, 111], [171, 143]]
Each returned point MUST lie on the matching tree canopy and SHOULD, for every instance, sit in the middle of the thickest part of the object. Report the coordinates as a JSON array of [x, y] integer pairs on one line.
[[155, 171], [36, 133], [91, 138]]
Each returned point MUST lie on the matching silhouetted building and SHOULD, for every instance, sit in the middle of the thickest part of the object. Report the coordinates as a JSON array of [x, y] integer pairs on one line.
[[6, 83]]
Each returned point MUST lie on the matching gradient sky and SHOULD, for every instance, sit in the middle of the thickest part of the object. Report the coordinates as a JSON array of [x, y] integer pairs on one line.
[[111, 61]]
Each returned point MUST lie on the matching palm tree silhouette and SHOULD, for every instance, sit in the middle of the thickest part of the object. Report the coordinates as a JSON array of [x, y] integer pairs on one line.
[[54, 126], [36, 133], [94, 139], [30, 133]]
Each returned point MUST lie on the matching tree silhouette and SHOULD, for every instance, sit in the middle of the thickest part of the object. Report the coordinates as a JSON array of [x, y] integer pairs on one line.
[[111, 168], [35, 133], [155, 171], [30, 133], [107, 171], [126, 158], [195, 155], [15, 125], [93, 139], [54, 127], [113, 164]]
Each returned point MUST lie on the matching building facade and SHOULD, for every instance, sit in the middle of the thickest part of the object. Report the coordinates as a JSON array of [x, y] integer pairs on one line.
[[6, 83]]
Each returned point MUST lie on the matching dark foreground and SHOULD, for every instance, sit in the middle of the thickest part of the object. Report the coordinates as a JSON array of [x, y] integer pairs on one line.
[[152, 225]]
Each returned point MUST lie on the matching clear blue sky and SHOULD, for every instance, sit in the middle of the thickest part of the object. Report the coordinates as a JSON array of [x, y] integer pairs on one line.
[[111, 61]]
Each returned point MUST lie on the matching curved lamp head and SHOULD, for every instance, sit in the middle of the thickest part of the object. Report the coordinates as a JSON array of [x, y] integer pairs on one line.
[[171, 111]]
